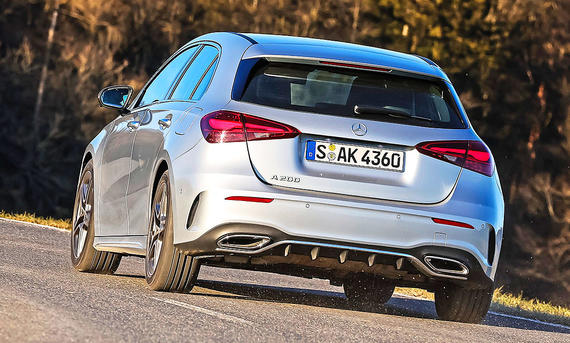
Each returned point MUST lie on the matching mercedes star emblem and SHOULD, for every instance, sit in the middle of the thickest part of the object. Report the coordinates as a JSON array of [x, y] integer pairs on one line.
[[359, 129]]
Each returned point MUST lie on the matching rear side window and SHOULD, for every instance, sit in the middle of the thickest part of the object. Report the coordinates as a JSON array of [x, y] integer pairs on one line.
[[160, 85], [201, 89], [329, 90], [196, 72]]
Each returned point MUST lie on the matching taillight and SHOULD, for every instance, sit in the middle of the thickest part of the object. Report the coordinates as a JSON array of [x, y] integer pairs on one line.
[[472, 155], [479, 158], [222, 126], [227, 126], [258, 129]]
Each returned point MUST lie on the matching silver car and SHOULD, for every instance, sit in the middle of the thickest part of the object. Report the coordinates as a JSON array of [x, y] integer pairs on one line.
[[298, 156]]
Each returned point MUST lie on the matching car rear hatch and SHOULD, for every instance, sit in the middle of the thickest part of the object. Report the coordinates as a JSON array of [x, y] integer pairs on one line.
[[368, 151]]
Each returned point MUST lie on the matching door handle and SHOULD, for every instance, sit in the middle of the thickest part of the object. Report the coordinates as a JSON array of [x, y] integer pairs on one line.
[[133, 125], [164, 123]]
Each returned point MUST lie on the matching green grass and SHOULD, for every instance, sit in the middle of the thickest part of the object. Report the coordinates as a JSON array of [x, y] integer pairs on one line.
[[502, 302]]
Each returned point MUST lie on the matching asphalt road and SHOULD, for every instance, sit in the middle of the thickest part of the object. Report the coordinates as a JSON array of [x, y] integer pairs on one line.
[[42, 298]]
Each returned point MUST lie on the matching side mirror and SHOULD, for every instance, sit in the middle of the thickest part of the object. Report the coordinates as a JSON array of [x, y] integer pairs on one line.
[[116, 97]]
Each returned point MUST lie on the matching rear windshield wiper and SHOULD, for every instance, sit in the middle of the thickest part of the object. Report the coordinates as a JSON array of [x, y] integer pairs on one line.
[[393, 112]]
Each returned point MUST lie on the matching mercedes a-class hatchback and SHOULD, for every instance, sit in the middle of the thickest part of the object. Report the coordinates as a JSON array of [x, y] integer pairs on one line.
[[298, 156]]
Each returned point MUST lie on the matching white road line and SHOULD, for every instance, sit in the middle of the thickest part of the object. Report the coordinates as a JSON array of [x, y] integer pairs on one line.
[[529, 320], [34, 224], [500, 314], [205, 311]]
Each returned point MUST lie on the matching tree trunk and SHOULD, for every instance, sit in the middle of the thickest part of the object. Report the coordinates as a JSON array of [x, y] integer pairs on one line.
[[43, 76]]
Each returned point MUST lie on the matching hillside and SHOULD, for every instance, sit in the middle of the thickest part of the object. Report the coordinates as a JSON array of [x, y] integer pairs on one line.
[[508, 59]]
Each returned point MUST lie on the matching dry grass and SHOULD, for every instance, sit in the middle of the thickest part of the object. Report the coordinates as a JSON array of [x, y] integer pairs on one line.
[[511, 304], [502, 302], [32, 218], [530, 308], [415, 292]]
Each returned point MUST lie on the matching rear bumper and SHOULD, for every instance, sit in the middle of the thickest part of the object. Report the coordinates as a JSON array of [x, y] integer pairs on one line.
[[335, 223], [332, 259]]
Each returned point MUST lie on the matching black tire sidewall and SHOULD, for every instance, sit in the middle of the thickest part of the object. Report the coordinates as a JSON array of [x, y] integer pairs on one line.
[[84, 260], [162, 269], [450, 301]]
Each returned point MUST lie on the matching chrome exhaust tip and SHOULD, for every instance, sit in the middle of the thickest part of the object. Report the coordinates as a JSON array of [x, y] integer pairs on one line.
[[243, 242], [446, 265]]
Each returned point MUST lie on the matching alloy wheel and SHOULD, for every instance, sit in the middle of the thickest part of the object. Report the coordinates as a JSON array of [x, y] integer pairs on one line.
[[156, 234], [82, 214]]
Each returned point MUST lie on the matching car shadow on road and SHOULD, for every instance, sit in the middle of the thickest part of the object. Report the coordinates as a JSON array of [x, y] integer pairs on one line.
[[309, 297], [398, 305], [134, 276]]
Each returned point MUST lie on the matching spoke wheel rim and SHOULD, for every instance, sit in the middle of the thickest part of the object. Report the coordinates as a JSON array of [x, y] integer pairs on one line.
[[157, 229], [82, 215]]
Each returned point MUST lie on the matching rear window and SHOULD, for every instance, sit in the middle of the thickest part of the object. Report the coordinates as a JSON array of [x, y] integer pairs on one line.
[[336, 91]]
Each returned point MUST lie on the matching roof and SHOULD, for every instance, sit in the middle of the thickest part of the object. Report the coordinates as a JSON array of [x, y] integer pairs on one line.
[[278, 45], [281, 47]]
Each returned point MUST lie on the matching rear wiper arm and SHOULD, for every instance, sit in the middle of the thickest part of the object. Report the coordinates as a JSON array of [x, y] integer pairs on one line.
[[363, 109], [421, 118], [393, 112]]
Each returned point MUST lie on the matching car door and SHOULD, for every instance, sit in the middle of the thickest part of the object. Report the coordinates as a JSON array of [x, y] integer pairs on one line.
[[114, 176], [150, 135], [116, 163]]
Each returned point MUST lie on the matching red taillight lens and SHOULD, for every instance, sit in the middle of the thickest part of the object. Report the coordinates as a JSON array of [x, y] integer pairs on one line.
[[222, 126], [226, 126], [452, 151], [473, 155], [479, 158]]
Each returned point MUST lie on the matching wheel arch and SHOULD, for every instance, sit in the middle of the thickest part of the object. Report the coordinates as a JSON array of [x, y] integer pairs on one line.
[[162, 166], [88, 156]]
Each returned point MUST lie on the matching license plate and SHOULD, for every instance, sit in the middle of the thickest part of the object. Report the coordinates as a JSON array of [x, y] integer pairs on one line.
[[353, 155]]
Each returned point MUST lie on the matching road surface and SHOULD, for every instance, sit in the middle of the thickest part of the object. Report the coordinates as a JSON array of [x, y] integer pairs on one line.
[[42, 298]]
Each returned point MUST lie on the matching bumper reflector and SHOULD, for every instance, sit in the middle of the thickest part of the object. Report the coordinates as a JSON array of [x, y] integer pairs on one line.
[[452, 223], [250, 199]]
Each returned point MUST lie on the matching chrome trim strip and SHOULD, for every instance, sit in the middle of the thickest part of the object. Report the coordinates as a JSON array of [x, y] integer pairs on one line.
[[262, 241], [464, 270], [415, 261], [207, 256]]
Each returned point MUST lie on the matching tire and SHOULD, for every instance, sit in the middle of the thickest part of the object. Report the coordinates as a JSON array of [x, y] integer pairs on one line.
[[458, 304], [166, 268], [84, 257], [368, 292]]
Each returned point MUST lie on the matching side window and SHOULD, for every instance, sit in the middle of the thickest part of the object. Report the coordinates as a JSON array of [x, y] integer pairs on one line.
[[159, 87], [205, 81], [195, 73]]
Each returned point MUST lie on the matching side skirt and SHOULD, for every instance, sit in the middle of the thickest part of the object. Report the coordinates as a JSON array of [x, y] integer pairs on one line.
[[128, 245]]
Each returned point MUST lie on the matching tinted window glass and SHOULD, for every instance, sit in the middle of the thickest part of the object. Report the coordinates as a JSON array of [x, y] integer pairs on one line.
[[194, 73], [205, 81], [337, 91], [158, 89]]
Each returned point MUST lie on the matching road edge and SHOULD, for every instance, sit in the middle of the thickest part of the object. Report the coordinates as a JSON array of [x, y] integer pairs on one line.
[[34, 224], [399, 294]]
